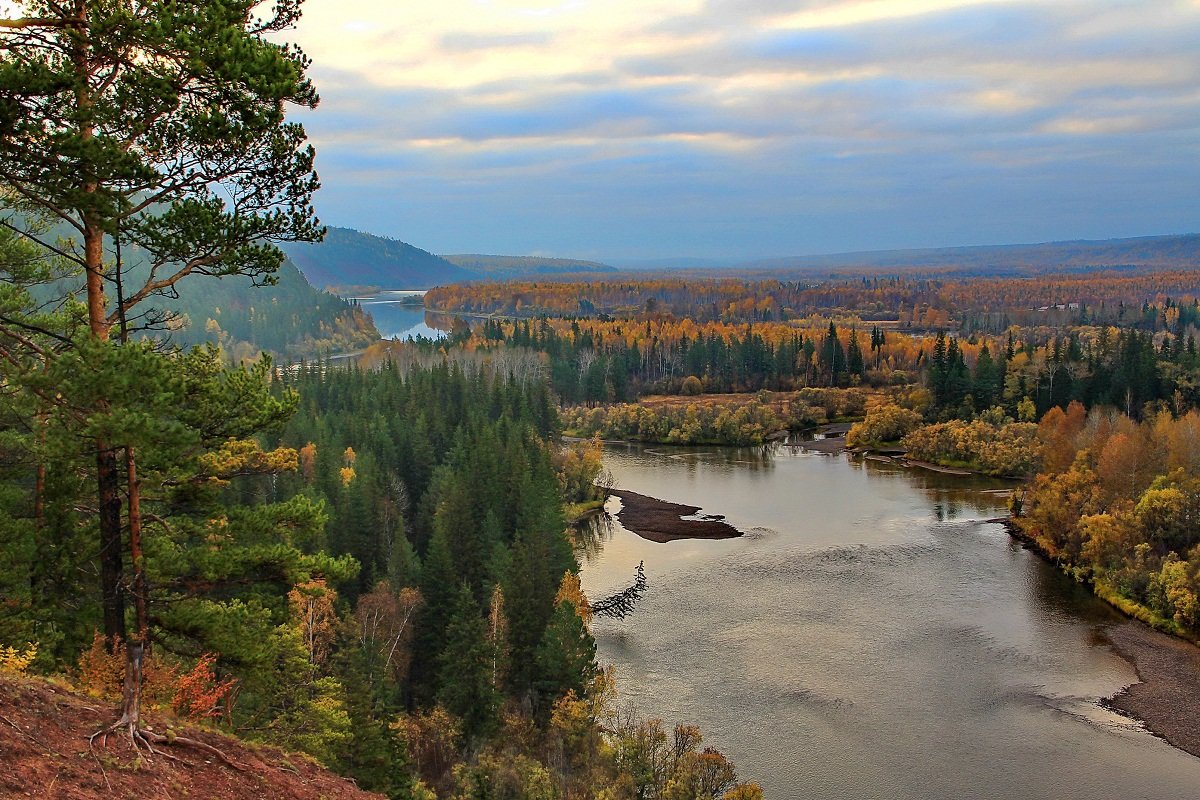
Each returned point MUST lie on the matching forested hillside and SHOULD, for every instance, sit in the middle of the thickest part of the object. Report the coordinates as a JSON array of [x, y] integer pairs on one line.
[[353, 260], [289, 319], [348, 258], [371, 568], [283, 315]]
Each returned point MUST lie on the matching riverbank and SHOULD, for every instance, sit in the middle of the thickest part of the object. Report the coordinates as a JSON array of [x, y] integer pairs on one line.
[[830, 445], [1167, 696], [662, 521]]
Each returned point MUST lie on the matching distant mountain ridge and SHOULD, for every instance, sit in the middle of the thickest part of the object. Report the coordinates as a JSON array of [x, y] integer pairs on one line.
[[1179, 250], [1165, 251], [352, 259]]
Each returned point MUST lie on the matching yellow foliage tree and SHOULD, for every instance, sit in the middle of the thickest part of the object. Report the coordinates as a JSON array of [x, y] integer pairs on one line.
[[313, 612]]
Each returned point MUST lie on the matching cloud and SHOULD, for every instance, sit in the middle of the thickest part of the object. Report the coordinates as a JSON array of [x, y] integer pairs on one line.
[[459, 42], [747, 127]]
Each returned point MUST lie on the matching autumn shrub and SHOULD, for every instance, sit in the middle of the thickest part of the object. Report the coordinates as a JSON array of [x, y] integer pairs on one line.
[[198, 693], [1008, 449], [194, 693], [578, 466], [887, 423], [100, 670], [13, 659], [513, 776], [750, 423], [1175, 590], [432, 740]]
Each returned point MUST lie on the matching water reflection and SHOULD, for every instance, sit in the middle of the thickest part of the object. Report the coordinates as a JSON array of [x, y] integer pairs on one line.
[[398, 316], [590, 536], [753, 458]]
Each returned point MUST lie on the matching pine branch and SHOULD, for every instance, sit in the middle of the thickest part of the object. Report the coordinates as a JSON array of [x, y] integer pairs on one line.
[[620, 605]]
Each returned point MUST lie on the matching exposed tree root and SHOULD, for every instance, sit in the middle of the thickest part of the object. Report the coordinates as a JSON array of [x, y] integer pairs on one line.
[[184, 741], [143, 742]]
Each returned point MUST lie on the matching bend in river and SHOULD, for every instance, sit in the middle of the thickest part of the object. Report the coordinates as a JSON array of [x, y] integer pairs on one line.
[[870, 636]]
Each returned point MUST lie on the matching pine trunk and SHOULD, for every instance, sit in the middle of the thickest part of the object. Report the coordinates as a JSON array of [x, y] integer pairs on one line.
[[111, 546]]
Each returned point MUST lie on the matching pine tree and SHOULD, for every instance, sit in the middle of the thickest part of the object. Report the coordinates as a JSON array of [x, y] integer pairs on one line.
[[45, 548], [134, 122], [160, 125]]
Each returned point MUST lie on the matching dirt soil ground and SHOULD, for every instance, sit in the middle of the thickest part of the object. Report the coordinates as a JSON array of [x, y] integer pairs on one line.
[[1168, 697], [44, 753]]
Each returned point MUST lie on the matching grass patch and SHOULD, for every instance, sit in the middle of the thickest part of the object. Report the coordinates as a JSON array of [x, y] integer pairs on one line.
[[575, 512]]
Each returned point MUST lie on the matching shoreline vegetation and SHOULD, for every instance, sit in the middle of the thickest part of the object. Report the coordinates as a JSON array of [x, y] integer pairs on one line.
[[736, 419]]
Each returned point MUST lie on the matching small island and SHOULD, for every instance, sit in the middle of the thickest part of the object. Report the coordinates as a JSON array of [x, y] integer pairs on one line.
[[663, 521]]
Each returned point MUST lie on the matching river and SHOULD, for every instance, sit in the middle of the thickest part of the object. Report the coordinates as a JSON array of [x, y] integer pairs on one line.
[[870, 637], [397, 317]]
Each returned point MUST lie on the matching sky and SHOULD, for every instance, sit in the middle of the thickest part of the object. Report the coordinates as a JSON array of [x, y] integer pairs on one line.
[[739, 129]]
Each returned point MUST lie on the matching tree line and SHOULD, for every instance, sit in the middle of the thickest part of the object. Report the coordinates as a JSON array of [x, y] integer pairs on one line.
[[1115, 503], [910, 299], [594, 361]]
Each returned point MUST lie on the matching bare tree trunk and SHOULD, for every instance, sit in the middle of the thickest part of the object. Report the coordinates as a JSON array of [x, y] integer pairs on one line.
[[131, 692], [135, 548]]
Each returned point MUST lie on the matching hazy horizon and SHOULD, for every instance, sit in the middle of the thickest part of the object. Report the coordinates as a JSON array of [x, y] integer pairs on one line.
[[751, 258], [718, 129]]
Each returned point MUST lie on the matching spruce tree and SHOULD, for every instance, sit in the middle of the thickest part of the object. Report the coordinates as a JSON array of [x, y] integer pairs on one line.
[[439, 582], [987, 382], [465, 668], [833, 357], [566, 656], [854, 356], [376, 757]]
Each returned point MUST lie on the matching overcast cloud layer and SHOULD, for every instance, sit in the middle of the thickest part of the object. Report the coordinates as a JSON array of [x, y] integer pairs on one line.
[[743, 128]]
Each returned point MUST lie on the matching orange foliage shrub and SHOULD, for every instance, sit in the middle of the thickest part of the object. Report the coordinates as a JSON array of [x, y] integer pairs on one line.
[[198, 694]]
